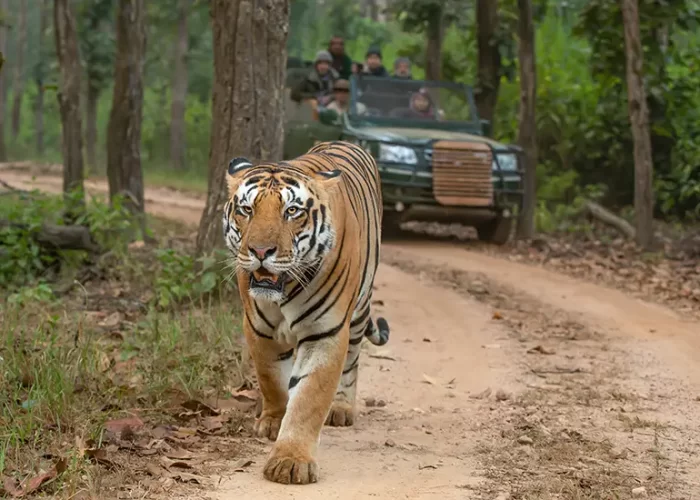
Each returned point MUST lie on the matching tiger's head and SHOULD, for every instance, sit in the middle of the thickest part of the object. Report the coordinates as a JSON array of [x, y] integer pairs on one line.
[[278, 224]]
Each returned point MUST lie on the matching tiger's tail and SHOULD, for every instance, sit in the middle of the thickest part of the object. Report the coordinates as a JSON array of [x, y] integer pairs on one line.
[[379, 334]]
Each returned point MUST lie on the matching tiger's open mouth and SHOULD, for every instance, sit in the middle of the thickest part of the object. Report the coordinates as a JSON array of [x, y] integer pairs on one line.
[[262, 278]]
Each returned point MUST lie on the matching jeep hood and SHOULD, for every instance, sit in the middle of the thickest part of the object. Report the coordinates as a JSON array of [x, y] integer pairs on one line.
[[421, 135]]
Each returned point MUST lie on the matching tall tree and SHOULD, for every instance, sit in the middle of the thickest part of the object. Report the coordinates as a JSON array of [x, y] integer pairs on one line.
[[18, 85], [124, 129], [527, 125], [4, 12], [489, 58], [431, 18], [435, 35], [639, 119], [69, 100], [179, 93], [249, 38], [40, 72], [96, 43]]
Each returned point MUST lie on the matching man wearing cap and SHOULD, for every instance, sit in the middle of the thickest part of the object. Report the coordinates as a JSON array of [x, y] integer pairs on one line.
[[341, 99], [318, 84], [341, 61], [402, 68], [374, 65]]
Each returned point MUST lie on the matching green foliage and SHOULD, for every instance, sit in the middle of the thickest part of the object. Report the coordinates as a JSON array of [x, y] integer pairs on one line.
[[61, 379], [312, 25], [181, 277], [582, 119], [417, 15], [110, 223], [564, 217], [38, 294], [22, 258], [679, 190], [24, 261], [96, 37]]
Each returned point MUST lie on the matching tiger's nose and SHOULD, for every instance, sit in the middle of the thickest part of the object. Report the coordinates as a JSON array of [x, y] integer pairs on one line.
[[262, 253]]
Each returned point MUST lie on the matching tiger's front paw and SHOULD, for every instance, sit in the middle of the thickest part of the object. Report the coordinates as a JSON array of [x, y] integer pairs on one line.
[[268, 426], [287, 466], [341, 415]]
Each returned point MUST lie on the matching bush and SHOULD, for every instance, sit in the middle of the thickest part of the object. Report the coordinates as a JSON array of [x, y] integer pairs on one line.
[[181, 277], [24, 261]]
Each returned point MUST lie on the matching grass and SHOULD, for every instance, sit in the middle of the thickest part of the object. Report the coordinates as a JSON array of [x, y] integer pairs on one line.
[[192, 181], [188, 180], [63, 376], [108, 348]]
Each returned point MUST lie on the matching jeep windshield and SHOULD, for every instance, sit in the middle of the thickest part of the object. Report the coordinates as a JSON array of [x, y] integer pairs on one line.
[[383, 101]]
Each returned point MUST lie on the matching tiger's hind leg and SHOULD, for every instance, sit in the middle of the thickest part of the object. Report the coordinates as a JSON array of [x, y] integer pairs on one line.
[[342, 412]]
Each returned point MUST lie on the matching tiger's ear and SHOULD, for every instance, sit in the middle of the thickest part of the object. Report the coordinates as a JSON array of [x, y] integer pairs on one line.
[[329, 178], [238, 164], [235, 167]]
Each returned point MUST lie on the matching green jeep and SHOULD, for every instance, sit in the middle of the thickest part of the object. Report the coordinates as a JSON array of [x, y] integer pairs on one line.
[[438, 165]]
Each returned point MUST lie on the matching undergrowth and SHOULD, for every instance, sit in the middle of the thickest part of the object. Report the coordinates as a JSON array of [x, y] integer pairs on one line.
[[137, 330]]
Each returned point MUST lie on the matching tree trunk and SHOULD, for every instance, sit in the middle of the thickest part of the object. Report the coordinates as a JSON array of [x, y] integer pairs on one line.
[[124, 130], [527, 125], [18, 85], [4, 12], [40, 75], [639, 119], [249, 38], [93, 95], [433, 49], [39, 118], [69, 102], [373, 9], [489, 58], [179, 93]]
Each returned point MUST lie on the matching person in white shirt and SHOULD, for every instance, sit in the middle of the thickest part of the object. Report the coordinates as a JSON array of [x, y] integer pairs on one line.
[[341, 99]]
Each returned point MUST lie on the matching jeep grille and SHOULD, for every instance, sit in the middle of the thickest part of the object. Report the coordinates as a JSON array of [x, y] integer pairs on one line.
[[462, 173]]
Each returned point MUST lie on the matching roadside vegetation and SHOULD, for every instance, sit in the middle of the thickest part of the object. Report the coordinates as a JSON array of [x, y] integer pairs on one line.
[[98, 349]]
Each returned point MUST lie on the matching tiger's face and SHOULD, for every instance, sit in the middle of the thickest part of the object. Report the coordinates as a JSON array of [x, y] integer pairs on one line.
[[278, 224]]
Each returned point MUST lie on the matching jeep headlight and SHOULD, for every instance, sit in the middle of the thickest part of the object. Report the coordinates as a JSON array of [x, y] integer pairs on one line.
[[397, 154], [507, 162]]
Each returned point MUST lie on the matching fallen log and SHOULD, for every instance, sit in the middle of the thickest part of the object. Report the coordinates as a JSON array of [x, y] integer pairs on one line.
[[607, 217], [54, 237]]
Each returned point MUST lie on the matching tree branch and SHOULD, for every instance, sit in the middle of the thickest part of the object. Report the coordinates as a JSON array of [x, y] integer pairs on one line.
[[607, 217], [54, 237]]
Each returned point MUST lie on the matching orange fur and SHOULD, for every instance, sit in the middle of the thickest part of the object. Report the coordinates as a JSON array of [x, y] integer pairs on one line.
[[306, 235]]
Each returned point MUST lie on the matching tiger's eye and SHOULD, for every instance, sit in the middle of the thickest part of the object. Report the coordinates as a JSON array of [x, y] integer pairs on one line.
[[292, 210]]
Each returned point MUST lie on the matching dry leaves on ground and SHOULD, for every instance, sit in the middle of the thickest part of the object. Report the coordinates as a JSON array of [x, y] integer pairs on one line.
[[17, 489]]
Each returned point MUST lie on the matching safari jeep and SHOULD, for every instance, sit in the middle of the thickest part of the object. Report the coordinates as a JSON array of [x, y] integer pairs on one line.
[[440, 166]]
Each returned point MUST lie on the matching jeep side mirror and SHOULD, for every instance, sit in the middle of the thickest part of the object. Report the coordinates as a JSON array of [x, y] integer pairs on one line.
[[486, 127], [328, 116]]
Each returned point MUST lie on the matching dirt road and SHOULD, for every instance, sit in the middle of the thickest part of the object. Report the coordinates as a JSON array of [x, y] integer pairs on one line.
[[500, 380]]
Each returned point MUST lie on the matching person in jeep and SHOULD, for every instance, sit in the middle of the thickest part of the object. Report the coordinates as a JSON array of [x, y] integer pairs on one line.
[[420, 107], [341, 61], [318, 84], [373, 64], [341, 99], [402, 68]]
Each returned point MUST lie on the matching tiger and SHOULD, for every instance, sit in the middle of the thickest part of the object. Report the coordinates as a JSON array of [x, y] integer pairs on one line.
[[305, 236]]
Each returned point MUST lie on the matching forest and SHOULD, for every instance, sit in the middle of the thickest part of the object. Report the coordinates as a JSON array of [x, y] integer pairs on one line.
[[584, 138], [118, 119]]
